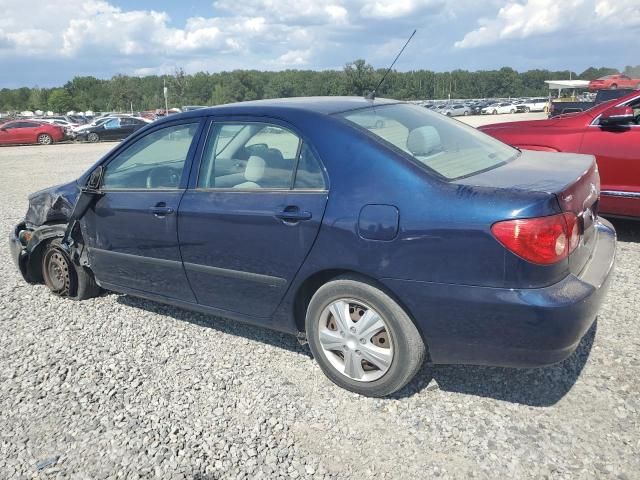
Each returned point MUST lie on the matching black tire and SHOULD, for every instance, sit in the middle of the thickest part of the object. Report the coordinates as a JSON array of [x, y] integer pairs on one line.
[[93, 137], [495, 112], [44, 139], [408, 347], [63, 278], [512, 111], [527, 109]]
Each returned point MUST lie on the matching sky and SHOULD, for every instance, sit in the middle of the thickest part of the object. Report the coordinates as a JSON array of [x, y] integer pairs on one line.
[[45, 43]]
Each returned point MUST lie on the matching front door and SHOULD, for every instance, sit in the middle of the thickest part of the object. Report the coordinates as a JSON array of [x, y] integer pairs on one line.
[[113, 130], [131, 231], [617, 151], [251, 218]]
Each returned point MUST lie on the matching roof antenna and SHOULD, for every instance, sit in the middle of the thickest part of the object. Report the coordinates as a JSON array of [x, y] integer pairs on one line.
[[372, 95]]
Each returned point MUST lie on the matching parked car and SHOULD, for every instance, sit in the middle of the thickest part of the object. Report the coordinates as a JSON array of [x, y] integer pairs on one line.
[[456, 110], [610, 131], [30, 131], [501, 107], [369, 243], [612, 82], [559, 107], [540, 104], [116, 128]]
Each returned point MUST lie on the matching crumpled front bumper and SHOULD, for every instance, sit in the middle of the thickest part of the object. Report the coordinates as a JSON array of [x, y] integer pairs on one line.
[[18, 251]]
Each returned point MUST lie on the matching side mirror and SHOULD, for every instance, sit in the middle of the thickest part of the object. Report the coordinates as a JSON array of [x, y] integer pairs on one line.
[[616, 116], [95, 179]]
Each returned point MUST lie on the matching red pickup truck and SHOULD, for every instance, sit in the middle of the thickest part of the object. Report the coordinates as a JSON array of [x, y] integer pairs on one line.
[[610, 131]]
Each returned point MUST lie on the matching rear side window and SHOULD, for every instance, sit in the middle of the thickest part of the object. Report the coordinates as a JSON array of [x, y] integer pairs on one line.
[[448, 148], [254, 155]]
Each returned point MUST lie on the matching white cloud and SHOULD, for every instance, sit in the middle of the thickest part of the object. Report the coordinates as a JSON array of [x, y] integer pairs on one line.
[[397, 8], [294, 58], [519, 20]]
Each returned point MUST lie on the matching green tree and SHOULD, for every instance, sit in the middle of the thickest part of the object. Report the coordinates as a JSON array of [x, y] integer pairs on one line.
[[359, 77], [60, 101]]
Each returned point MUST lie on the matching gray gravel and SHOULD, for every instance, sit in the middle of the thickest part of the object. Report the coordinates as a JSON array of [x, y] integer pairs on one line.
[[125, 388]]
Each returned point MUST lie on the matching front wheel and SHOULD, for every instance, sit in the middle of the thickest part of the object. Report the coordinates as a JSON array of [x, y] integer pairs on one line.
[[614, 87], [527, 109], [362, 339], [93, 137], [512, 111], [495, 112], [45, 139], [63, 278]]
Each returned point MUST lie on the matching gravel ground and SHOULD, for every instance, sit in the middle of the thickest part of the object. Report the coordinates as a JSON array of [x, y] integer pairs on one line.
[[125, 388]]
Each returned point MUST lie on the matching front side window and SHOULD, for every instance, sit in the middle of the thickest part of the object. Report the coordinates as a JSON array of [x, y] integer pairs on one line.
[[155, 161], [253, 156], [448, 148], [113, 123]]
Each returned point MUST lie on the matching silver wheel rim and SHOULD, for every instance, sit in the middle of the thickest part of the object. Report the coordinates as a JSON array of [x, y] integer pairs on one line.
[[44, 139], [355, 340], [93, 137]]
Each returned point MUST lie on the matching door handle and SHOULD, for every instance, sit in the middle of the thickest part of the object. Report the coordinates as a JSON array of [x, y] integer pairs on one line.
[[293, 214], [161, 209]]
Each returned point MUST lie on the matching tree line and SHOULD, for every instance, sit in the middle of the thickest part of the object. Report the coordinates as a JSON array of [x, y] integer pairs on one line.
[[122, 92]]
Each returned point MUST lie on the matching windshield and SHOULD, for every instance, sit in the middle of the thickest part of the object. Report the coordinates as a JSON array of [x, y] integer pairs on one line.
[[444, 146]]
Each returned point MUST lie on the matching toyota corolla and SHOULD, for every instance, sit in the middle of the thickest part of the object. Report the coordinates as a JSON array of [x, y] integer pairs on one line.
[[378, 231]]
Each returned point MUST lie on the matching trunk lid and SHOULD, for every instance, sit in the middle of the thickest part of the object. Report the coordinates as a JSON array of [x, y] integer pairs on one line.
[[572, 178]]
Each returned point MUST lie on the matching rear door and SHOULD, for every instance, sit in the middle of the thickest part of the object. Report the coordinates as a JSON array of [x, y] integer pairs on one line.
[[251, 216], [131, 231]]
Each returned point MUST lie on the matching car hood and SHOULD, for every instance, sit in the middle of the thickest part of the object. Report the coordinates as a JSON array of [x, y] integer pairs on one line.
[[51, 205]]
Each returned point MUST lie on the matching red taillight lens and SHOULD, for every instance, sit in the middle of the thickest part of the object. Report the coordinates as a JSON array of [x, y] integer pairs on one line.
[[542, 240]]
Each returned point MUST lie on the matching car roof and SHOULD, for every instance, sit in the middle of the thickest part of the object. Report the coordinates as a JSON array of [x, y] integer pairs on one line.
[[318, 105]]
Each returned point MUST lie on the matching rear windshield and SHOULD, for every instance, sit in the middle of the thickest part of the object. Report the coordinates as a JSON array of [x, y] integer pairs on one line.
[[450, 149]]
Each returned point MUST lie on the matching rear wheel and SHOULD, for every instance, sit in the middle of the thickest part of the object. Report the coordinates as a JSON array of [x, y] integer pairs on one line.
[[93, 137], [63, 278], [45, 139], [362, 339]]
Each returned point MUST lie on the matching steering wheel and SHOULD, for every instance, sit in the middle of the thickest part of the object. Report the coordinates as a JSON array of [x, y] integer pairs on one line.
[[162, 177]]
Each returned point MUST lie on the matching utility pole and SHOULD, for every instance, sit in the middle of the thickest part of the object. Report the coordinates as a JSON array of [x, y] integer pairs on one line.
[[166, 102]]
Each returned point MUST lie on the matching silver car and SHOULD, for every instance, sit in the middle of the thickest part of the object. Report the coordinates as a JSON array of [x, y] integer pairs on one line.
[[456, 110]]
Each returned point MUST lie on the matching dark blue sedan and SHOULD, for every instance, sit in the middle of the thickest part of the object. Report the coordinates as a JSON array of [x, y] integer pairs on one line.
[[378, 231]]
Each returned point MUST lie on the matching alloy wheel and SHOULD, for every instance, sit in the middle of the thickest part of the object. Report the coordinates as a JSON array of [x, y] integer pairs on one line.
[[356, 340], [44, 139]]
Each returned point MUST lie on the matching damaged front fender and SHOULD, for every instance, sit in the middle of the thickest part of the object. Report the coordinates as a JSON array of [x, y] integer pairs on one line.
[[51, 205]]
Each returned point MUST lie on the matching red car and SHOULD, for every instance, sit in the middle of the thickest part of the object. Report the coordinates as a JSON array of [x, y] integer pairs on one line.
[[614, 81], [610, 131], [29, 131]]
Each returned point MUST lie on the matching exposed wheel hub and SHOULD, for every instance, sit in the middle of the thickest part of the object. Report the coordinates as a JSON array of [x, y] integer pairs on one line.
[[56, 272]]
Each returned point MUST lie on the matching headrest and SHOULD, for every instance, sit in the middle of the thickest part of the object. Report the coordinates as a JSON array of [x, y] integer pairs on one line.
[[254, 170], [423, 140]]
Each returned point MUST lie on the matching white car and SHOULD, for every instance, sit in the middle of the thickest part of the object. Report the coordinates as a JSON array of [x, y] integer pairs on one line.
[[502, 107], [533, 105]]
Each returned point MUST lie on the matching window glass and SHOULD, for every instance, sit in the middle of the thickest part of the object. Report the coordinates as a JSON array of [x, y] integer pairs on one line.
[[249, 156], [448, 148], [309, 174], [113, 123], [154, 161]]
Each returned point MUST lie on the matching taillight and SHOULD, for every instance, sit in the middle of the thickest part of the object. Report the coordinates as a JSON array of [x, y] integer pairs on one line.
[[541, 240]]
